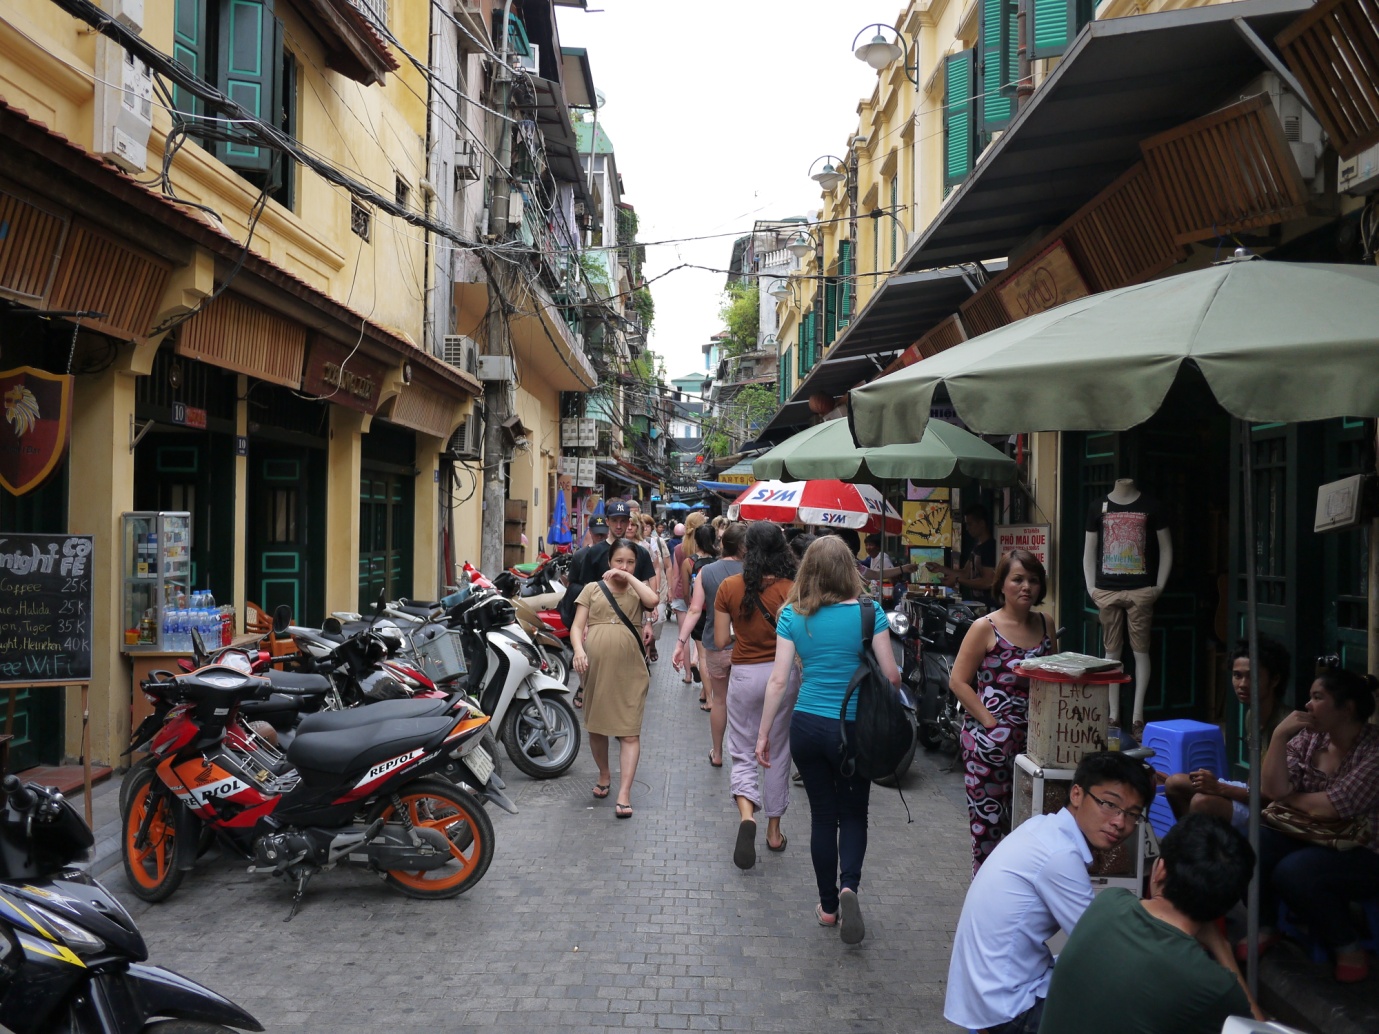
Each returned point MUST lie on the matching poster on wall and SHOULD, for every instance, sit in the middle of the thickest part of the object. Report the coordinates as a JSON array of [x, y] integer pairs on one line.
[[1031, 537], [927, 493], [922, 555], [928, 523]]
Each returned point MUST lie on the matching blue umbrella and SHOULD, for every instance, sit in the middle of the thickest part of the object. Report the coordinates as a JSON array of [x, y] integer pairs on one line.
[[560, 522], [677, 506]]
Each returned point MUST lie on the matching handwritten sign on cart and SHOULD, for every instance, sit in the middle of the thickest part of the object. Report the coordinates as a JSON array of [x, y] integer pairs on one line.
[[46, 593]]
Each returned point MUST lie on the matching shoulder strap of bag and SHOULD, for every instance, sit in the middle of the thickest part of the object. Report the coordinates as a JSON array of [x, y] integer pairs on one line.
[[867, 610], [619, 611], [765, 613]]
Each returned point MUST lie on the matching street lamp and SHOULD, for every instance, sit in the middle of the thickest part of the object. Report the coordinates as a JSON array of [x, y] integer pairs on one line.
[[828, 177], [802, 245], [879, 52], [779, 289]]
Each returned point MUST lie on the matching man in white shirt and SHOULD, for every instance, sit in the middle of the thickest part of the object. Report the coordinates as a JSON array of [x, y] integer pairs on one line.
[[1033, 884]]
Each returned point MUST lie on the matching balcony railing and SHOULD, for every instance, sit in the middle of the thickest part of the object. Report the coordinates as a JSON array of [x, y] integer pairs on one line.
[[374, 10]]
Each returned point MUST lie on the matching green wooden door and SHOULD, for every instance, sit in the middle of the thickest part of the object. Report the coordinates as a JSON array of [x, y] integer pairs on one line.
[[385, 537], [286, 534]]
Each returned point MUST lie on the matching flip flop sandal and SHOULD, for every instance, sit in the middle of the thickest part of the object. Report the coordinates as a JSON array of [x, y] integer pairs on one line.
[[719, 762], [622, 811], [579, 697], [784, 840], [850, 915], [745, 851], [601, 790]]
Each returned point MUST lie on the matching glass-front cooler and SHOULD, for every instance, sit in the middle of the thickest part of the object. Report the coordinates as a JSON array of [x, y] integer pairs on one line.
[[157, 581]]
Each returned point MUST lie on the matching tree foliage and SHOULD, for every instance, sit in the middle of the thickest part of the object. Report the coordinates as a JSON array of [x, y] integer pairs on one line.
[[741, 316]]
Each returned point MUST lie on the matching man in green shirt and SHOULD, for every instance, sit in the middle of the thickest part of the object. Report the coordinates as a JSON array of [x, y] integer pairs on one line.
[[1160, 966]]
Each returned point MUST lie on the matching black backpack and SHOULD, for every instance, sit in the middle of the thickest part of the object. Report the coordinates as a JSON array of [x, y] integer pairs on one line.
[[882, 732], [566, 606]]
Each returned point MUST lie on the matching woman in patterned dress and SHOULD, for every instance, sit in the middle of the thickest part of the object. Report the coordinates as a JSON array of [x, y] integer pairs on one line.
[[995, 694]]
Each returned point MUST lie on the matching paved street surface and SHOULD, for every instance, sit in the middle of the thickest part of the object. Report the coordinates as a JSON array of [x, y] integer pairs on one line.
[[585, 923]]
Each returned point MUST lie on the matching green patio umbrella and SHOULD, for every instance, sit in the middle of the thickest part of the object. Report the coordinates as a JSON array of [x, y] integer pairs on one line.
[[1275, 341], [945, 455]]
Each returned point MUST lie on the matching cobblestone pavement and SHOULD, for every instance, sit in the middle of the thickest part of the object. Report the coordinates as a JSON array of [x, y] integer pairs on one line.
[[588, 924]]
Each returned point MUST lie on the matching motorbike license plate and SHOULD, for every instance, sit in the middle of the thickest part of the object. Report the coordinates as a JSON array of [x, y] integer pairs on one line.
[[479, 764]]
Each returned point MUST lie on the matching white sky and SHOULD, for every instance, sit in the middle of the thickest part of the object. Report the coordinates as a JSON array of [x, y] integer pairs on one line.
[[716, 108]]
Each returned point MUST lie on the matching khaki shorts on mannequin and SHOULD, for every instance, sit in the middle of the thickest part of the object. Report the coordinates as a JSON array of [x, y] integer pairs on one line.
[[1119, 607]]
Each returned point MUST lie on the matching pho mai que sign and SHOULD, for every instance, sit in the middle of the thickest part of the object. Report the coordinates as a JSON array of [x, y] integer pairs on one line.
[[1049, 279]]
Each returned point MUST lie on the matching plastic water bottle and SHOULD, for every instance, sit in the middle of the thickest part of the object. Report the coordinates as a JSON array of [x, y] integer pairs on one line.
[[167, 629]]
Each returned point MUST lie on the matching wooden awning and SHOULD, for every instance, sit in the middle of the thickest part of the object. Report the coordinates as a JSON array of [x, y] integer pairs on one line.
[[1333, 49]]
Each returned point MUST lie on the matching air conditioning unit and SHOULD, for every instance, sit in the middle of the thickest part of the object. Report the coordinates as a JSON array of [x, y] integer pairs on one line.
[[515, 203], [1301, 130], [123, 112], [529, 62], [462, 353], [467, 443], [468, 160]]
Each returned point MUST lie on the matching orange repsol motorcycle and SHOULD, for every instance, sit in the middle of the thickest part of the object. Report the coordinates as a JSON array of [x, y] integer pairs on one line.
[[361, 786]]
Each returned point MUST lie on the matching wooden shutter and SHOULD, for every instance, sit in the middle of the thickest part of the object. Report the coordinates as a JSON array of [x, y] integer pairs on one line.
[[1055, 23], [781, 359], [800, 368], [997, 43], [959, 116], [250, 55], [811, 340], [189, 48], [830, 311], [847, 289], [895, 219]]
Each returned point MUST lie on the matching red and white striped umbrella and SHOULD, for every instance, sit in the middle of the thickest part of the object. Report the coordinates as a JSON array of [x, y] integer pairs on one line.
[[836, 504]]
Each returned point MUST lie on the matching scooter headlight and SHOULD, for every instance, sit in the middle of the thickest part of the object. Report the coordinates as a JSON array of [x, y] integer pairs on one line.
[[900, 623], [83, 942]]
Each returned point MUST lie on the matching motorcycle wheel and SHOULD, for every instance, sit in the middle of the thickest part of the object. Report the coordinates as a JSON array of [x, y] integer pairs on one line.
[[560, 667], [444, 807], [127, 783], [489, 741], [185, 1027], [929, 736], [152, 871], [541, 752]]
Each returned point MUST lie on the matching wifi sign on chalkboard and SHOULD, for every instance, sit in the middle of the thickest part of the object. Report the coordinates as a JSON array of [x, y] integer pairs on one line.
[[45, 609]]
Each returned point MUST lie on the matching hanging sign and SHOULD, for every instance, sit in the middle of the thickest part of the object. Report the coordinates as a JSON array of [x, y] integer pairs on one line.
[[1049, 279], [188, 416], [1033, 538], [46, 588], [343, 376], [37, 427]]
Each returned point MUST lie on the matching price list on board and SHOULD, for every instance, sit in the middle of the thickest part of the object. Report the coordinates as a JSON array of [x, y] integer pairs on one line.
[[46, 592]]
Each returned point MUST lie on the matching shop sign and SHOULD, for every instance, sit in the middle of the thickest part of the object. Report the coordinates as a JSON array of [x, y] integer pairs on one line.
[[36, 429], [341, 375], [188, 416], [737, 479], [1033, 538], [1048, 280]]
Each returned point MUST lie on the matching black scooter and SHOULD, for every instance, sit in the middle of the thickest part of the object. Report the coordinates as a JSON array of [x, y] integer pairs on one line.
[[71, 958]]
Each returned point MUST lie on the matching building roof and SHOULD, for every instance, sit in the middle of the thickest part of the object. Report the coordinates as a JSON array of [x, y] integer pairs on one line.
[[586, 132]]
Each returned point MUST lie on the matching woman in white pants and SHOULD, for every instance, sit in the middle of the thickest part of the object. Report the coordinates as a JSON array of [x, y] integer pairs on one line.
[[745, 612]]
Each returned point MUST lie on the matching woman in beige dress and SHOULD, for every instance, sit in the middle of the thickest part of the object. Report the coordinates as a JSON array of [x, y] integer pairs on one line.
[[612, 668]]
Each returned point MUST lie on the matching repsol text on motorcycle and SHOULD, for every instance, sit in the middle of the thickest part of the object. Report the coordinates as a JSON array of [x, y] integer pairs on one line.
[[361, 786], [71, 958]]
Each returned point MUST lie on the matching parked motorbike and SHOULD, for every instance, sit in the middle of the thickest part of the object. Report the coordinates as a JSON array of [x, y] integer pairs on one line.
[[940, 624], [71, 958], [362, 786]]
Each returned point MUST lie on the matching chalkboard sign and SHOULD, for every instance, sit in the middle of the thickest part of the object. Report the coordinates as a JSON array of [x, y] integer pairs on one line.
[[45, 609]]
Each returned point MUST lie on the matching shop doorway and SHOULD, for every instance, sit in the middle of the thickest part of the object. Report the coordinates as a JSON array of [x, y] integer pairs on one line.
[[387, 494], [1181, 457], [287, 533]]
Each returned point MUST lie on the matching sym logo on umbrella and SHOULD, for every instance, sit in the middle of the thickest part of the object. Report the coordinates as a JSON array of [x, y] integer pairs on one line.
[[774, 495]]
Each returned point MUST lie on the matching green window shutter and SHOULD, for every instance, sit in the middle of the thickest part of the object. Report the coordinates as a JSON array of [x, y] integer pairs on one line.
[[800, 368], [189, 48], [780, 377], [996, 46], [250, 56], [830, 311], [846, 289], [811, 340], [1054, 24], [959, 116]]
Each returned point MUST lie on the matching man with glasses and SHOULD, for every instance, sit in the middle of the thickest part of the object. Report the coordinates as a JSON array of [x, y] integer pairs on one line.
[[1034, 883]]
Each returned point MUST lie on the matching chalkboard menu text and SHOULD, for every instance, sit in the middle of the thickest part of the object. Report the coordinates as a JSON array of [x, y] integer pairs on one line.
[[45, 609]]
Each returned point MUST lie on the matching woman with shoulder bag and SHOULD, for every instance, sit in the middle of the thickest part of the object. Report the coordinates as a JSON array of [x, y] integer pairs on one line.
[[1317, 851], [821, 623], [703, 551], [994, 691], [612, 668]]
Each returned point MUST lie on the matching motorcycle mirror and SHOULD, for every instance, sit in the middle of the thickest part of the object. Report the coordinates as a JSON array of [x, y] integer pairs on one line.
[[282, 617], [900, 623], [199, 648]]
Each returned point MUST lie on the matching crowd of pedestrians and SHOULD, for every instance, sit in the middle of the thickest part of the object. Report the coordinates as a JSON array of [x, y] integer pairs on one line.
[[772, 623]]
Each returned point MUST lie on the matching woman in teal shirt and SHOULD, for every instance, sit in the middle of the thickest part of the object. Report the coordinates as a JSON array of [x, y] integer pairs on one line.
[[821, 624]]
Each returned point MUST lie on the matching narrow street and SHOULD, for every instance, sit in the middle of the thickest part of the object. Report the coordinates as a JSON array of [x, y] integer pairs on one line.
[[585, 923]]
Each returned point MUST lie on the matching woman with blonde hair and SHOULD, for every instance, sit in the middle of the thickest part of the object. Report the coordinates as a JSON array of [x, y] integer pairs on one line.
[[821, 623], [679, 597]]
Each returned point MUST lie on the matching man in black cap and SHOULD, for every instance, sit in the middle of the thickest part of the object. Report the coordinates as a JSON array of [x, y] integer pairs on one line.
[[590, 563]]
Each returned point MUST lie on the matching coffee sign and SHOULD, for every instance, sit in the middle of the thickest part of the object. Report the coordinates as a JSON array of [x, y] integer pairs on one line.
[[344, 376], [1048, 280]]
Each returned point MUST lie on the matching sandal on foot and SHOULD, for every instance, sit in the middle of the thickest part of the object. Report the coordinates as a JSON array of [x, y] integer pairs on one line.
[[694, 670], [829, 919], [704, 706], [715, 764], [601, 790], [850, 915], [784, 840], [579, 699], [622, 811], [651, 653], [745, 851]]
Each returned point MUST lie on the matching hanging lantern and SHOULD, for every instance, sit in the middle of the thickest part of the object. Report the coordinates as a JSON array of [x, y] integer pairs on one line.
[[821, 403]]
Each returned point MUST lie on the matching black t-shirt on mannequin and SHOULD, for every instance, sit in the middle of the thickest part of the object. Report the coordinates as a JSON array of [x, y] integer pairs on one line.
[[1127, 548]]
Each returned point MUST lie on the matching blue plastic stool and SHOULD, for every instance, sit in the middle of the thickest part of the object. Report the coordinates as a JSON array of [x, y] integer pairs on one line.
[[1181, 745], [1314, 948]]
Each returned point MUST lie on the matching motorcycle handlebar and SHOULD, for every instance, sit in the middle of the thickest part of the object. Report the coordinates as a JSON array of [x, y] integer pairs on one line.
[[21, 798]]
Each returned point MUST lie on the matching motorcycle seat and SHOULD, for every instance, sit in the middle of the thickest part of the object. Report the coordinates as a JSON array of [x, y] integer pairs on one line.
[[419, 610], [297, 683], [371, 714], [349, 750]]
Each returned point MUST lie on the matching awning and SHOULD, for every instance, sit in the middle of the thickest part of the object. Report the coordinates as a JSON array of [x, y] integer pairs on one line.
[[731, 490], [618, 472], [562, 150], [1120, 81], [897, 314], [737, 474]]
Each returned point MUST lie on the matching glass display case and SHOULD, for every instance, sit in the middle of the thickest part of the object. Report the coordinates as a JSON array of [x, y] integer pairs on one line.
[[157, 576]]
